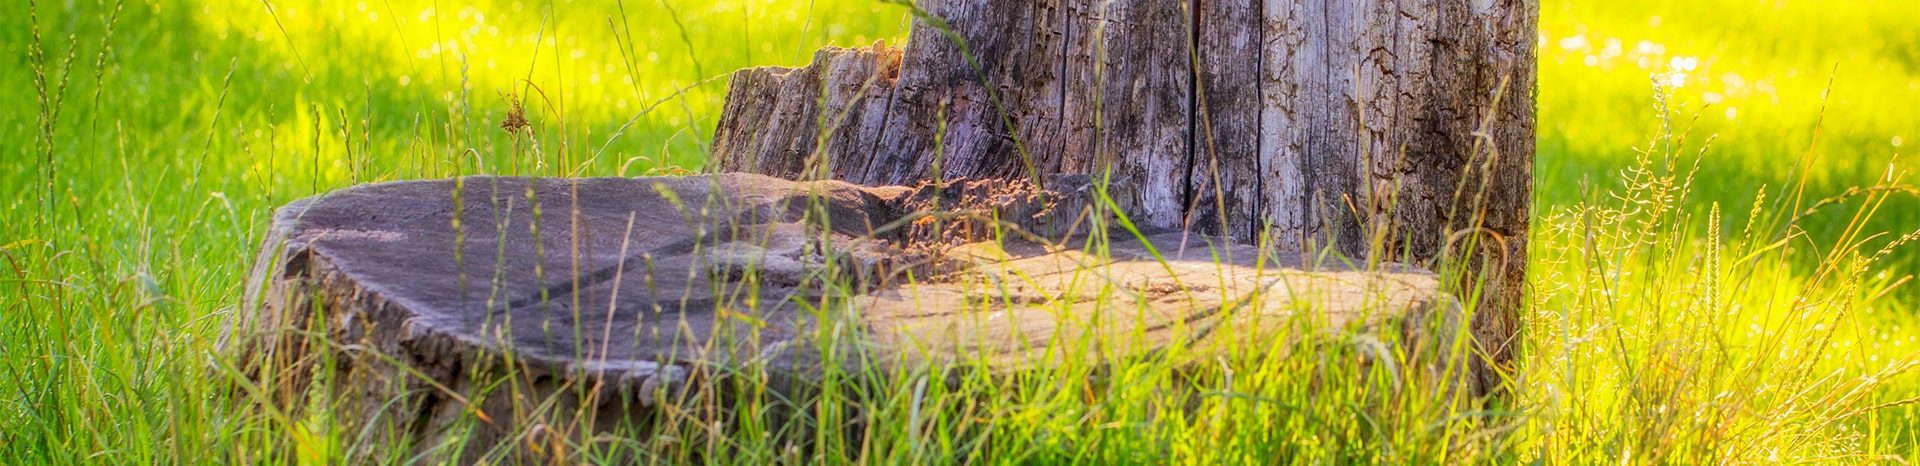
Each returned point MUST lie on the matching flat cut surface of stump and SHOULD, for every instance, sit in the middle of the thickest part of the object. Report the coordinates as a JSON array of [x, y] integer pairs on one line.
[[610, 275], [1020, 305], [633, 280]]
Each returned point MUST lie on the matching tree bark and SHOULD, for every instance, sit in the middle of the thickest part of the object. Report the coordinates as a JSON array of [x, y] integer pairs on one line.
[[1394, 131]]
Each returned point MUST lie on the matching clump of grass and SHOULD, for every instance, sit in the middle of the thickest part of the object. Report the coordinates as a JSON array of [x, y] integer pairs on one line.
[[1660, 336]]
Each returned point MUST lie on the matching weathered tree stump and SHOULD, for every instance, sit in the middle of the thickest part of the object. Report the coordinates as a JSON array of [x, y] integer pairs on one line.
[[932, 216], [1398, 130], [600, 295]]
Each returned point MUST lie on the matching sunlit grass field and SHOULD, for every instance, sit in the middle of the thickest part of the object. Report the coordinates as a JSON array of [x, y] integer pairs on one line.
[[1721, 260]]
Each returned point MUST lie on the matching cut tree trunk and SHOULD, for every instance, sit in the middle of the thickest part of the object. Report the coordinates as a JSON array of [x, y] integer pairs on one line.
[[1399, 131], [512, 313]]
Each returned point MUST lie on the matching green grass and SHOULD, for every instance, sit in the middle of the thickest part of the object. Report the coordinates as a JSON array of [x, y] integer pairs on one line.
[[1681, 315]]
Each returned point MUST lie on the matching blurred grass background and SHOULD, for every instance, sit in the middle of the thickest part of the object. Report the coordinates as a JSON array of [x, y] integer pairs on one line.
[[131, 215], [1757, 76]]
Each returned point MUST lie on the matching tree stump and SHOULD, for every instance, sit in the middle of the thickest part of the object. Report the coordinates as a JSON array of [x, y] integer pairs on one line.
[[1383, 131], [417, 300], [1397, 131]]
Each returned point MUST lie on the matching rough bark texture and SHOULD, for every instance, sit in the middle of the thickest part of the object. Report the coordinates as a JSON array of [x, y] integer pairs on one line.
[[1402, 129], [512, 312]]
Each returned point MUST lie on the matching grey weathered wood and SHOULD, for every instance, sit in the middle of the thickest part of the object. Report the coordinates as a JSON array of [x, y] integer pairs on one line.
[[592, 296], [1399, 129], [421, 290], [1226, 196]]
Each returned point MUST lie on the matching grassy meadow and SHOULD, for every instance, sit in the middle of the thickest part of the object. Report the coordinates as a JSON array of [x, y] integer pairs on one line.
[[1722, 253]]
